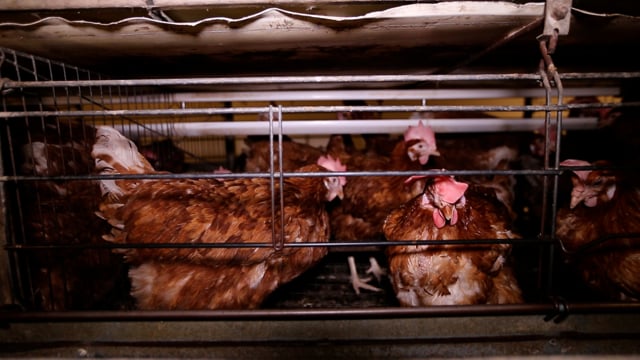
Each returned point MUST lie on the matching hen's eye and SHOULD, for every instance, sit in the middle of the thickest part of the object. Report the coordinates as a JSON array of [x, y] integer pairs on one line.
[[598, 181]]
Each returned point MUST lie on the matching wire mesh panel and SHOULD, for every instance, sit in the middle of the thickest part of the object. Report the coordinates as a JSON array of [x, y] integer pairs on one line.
[[52, 213], [61, 255], [53, 235]]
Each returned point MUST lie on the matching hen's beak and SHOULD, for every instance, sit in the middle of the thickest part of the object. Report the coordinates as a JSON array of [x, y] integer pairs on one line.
[[447, 212], [579, 195], [575, 200], [334, 192]]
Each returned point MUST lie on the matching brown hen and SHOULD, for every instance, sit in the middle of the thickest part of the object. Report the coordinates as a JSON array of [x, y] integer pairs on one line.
[[453, 274], [218, 211], [599, 231]]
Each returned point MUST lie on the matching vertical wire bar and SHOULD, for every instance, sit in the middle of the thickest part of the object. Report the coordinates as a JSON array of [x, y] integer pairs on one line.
[[104, 106], [53, 205], [92, 100], [110, 96], [9, 137], [556, 177], [68, 128], [137, 105], [60, 143], [272, 180], [547, 66], [15, 275], [25, 260], [121, 98], [146, 133], [54, 96], [229, 142], [280, 245], [6, 260], [132, 103], [545, 179], [29, 140]]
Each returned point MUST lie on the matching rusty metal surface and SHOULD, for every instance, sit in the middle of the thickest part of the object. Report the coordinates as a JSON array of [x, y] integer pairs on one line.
[[326, 37], [395, 337]]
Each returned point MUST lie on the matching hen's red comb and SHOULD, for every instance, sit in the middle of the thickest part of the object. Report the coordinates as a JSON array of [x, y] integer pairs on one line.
[[222, 170], [582, 174], [420, 132], [329, 163], [450, 190]]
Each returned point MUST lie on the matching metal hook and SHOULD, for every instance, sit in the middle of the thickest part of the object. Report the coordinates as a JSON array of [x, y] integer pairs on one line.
[[547, 47]]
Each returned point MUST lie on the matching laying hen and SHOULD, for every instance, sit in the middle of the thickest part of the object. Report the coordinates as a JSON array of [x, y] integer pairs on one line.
[[59, 213], [608, 141], [451, 274], [603, 208], [211, 211], [368, 199]]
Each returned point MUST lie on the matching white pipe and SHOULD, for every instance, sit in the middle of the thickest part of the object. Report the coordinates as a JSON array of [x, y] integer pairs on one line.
[[339, 95], [428, 94], [326, 127]]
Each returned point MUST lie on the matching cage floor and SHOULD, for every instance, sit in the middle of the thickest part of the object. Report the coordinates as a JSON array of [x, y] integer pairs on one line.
[[328, 285]]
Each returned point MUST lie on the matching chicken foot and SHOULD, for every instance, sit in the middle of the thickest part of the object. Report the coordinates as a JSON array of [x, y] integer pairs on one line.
[[361, 283]]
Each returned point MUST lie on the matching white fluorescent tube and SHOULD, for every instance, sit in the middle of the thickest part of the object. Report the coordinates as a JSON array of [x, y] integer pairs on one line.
[[338, 95], [365, 94], [326, 127]]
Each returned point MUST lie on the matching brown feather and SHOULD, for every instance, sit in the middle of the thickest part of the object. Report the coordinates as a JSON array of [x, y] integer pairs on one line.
[[368, 199], [213, 211], [294, 156], [451, 274], [609, 268]]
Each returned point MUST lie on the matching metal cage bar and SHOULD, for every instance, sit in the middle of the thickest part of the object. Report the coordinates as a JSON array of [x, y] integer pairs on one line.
[[129, 105]]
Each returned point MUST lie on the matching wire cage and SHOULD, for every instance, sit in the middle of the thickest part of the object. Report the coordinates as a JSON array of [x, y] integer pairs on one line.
[[57, 269]]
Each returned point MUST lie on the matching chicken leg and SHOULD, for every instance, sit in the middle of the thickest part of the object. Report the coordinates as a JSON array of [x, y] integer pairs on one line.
[[361, 283]]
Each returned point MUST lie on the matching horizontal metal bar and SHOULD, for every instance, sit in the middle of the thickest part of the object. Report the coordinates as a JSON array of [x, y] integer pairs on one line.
[[226, 245], [311, 109], [326, 79], [302, 109], [321, 79], [337, 243], [542, 309], [277, 174]]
